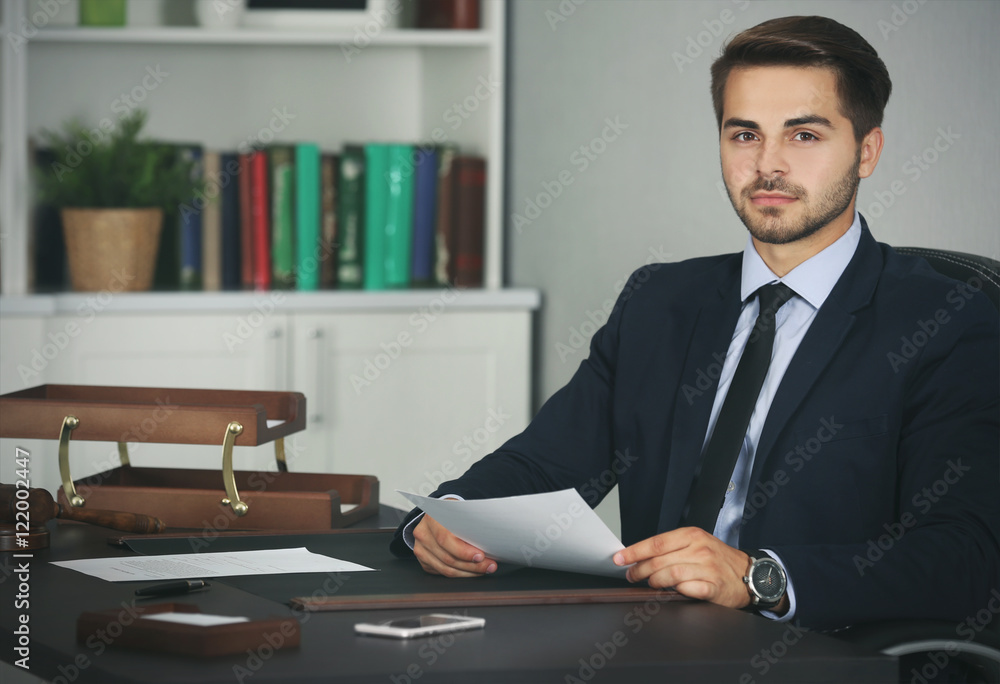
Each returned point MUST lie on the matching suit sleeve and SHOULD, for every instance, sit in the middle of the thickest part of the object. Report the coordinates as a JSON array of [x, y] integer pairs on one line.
[[939, 558]]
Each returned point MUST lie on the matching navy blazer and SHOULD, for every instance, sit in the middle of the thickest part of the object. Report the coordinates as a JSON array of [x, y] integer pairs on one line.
[[877, 474]]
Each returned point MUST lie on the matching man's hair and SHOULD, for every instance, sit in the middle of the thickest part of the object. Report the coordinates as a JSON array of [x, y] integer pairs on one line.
[[863, 83]]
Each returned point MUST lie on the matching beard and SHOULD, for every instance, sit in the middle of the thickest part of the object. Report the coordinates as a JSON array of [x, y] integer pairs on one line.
[[772, 228]]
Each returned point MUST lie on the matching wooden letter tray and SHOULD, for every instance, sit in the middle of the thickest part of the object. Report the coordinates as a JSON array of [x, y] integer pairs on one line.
[[190, 498]]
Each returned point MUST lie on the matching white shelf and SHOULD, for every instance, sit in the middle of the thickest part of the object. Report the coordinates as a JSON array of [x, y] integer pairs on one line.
[[169, 35], [288, 301], [444, 80]]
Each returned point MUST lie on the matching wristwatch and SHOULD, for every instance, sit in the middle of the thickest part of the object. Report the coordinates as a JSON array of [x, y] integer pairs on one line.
[[765, 580]]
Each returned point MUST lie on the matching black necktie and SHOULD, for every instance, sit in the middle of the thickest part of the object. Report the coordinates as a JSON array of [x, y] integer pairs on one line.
[[708, 492]]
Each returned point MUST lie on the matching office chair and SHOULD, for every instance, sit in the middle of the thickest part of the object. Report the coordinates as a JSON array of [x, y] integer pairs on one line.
[[927, 647]]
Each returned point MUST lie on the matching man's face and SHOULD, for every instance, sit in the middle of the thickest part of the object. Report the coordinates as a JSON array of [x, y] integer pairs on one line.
[[790, 161]]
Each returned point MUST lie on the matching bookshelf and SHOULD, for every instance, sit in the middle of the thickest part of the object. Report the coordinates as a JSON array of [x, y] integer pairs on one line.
[[373, 408], [224, 83]]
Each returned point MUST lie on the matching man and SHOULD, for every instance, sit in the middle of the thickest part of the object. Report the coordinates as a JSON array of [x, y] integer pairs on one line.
[[862, 482]]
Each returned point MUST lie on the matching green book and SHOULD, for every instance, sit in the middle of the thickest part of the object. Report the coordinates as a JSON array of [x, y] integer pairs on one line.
[[282, 217], [376, 214], [399, 217], [351, 217], [307, 217]]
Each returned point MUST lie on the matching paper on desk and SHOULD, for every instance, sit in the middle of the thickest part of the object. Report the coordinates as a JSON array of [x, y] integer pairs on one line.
[[555, 530], [191, 565], [196, 619]]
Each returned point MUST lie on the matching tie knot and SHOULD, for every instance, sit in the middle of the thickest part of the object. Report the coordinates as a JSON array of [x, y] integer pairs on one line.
[[772, 297]]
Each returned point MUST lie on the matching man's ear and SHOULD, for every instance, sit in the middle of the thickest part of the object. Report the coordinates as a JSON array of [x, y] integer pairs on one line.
[[871, 150]]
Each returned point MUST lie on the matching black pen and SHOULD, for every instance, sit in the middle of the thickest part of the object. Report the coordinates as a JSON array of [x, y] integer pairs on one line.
[[168, 588]]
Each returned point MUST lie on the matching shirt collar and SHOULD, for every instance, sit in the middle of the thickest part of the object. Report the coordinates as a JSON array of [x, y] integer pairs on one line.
[[814, 278]]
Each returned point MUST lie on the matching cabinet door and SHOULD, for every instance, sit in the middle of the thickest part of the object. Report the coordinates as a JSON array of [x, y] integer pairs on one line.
[[413, 398], [204, 351]]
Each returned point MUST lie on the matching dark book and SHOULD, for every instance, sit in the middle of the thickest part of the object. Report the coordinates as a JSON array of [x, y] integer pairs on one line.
[[229, 201], [425, 188], [351, 218], [328, 220], [48, 245], [448, 14], [246, 222], [469, 201]]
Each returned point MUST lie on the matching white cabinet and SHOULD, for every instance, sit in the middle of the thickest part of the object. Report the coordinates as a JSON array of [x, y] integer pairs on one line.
[[412, 388], [413, 398]]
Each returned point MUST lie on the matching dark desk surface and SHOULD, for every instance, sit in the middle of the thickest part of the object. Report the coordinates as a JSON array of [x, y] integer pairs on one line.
[[674, 641]]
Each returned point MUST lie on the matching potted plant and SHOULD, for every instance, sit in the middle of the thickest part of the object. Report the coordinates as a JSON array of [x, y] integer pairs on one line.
[[111, 188]]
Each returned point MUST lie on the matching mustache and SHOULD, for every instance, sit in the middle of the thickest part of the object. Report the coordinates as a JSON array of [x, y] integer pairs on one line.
[[778, 184]]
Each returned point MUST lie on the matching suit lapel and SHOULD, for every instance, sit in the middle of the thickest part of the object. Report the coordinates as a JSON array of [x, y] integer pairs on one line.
[[713, 320], [831, 326]]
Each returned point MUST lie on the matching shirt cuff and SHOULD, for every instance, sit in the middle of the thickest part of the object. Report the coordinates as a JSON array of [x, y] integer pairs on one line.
[[788, 589], [410, 526]]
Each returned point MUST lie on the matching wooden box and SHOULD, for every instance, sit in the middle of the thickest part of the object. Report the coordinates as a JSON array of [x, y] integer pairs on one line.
[[226, 499]]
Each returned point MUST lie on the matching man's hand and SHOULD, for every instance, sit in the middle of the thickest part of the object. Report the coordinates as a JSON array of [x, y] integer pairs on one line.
[[442, 553], [691, 561]]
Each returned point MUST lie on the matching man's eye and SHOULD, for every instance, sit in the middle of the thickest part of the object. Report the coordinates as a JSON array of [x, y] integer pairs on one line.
[[805, 137], [745, 136]]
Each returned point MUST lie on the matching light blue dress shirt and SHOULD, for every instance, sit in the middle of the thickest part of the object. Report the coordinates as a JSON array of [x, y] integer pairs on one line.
[[812, 281]]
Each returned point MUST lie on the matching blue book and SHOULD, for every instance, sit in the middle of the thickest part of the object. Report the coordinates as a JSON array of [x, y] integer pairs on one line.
[[229, 166], [424, 217]]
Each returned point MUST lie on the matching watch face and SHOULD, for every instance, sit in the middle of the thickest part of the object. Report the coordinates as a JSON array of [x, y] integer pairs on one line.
[[767, 580]]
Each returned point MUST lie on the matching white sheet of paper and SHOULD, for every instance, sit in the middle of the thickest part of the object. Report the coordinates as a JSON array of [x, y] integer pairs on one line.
[[555, 530], [197, 619], [192, 565]]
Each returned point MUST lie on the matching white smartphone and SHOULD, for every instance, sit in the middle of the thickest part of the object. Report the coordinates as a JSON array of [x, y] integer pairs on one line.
[[421, 625]]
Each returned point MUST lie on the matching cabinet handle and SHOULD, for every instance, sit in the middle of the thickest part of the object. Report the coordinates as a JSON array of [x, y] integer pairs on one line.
[[315, 353]]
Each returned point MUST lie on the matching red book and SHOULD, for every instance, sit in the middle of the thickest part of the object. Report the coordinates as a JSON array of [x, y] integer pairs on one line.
[[261, 219], [246, 224], [469, 215], [448, 14]]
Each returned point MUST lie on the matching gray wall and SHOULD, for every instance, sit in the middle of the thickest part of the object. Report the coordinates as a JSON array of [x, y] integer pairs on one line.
[[653, 186]]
